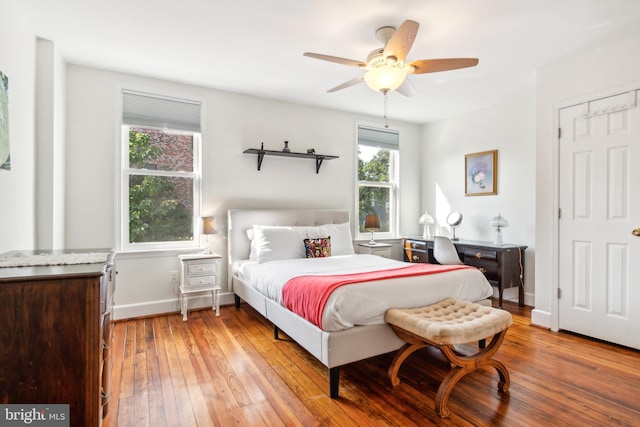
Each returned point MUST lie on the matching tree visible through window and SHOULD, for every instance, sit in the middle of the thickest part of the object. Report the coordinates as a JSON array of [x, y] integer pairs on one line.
[[160, 204]]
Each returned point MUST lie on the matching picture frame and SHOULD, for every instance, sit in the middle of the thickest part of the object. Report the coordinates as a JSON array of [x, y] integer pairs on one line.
[[481, 173]]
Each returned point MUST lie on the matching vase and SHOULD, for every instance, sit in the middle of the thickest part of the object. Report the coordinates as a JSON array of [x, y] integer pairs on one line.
[[286, 147]]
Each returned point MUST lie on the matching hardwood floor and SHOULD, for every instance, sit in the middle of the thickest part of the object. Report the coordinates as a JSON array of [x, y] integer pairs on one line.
[[229, 370]]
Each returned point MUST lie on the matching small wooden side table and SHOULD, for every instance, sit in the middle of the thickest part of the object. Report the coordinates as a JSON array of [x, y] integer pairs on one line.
[[200, 273]]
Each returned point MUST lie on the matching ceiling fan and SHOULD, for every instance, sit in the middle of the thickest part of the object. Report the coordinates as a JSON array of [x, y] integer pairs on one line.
[[386, 67]]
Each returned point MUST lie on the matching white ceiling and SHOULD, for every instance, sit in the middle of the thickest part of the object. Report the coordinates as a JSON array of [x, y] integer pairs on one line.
[[255, 46]]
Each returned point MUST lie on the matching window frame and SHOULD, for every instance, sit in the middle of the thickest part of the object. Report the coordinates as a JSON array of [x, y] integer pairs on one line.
[[125, 172], [392, 185]]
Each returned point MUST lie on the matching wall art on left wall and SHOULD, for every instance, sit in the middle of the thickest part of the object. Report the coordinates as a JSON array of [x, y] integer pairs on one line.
[[5, 152]]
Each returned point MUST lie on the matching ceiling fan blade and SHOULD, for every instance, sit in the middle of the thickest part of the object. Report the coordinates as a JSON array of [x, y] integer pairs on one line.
[[336, 59], [345, 85], [402, 40], [406, 88], [423, 66]]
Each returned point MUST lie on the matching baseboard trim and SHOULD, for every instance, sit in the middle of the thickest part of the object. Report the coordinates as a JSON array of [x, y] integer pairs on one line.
[[541, 318], [155, 308]]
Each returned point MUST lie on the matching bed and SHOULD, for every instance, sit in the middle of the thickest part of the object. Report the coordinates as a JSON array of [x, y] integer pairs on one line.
[[258, 271]]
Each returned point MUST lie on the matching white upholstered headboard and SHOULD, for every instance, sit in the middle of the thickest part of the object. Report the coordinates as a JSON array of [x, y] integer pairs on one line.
[[239, 220]]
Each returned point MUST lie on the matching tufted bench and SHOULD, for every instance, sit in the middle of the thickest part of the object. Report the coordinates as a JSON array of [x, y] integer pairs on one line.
[[444, 325]]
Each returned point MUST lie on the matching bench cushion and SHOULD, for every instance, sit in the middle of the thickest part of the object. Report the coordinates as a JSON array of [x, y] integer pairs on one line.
[[450, 321]]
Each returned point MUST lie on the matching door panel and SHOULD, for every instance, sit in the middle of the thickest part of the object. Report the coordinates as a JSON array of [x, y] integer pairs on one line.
[[599, 205]]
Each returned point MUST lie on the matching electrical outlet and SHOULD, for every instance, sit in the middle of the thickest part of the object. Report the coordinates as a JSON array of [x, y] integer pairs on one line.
[[173, 276]]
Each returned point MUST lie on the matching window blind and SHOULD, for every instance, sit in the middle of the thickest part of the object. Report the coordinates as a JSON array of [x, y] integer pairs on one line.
[[378, 138], [142, 109]]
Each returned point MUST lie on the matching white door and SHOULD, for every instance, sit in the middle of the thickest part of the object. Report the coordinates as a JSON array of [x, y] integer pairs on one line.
[[599, 265]]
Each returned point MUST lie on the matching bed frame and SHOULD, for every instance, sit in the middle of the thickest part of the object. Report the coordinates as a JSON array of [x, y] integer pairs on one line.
[[332, 349]]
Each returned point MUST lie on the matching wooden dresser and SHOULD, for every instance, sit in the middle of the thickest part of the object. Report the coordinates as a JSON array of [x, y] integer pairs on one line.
[[503, 265], [56, 336]]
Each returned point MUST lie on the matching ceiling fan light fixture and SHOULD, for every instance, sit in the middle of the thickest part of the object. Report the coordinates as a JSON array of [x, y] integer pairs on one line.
[[386, 77]]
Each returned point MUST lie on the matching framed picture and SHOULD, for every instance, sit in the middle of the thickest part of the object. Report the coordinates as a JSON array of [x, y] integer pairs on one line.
[[481, 173]]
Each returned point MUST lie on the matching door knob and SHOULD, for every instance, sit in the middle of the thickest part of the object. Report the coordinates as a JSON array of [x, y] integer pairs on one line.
[[636, 232]]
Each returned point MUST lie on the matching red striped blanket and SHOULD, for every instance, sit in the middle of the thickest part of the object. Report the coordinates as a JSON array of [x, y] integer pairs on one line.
[[307, 295]]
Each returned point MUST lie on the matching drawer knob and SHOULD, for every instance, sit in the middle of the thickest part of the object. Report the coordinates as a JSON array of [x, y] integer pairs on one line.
[[414, 245], [416, 258], [482, 270], [478, 254]]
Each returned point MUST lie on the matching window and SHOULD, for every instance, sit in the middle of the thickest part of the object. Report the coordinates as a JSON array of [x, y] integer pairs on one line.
[[160, 172], [377, 179]]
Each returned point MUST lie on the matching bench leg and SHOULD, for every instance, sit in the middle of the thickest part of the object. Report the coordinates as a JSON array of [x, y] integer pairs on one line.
[[400, 357], [465, 364]]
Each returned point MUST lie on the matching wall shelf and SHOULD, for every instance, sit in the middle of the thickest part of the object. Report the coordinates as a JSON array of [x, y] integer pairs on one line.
[[319, 158]]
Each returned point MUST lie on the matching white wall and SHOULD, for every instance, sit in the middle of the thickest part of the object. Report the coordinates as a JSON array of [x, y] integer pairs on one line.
[[571, 79], [509, 128], [50, 146], [233, 124], [17, 61]]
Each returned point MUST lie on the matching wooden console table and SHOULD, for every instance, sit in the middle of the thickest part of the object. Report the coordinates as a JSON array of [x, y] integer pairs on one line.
[[502, 265]]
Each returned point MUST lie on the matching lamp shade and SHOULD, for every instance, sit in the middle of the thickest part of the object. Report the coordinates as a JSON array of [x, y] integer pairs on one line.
[[499, 221], [372, 222], [209, 225], [425, 219]]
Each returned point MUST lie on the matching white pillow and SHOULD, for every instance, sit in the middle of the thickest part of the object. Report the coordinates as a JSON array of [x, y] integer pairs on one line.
[[253, 252], [341, 240], [317, 232], [276, 242]]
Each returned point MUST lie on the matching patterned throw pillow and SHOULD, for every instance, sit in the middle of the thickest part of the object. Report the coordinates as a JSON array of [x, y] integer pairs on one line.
[[318, 248]]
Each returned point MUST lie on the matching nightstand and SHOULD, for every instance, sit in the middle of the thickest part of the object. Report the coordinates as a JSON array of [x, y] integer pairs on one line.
[[199, 273], [380, 249]]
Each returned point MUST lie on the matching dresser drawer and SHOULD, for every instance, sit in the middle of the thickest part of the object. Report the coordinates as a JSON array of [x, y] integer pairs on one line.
[[487, 267], [486, 254], [200, 282], [413, 255], [415, 244], [200, 268]]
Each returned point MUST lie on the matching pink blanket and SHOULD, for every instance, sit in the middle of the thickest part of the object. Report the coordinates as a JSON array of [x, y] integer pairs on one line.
[[307, 295]]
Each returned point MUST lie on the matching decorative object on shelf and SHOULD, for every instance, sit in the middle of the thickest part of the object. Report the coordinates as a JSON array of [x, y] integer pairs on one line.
[[481, 173], [498, 222], [208, 228], [286, 147], [311, 151], [262, 152], [454, 219], [371, 224], [426, 220]]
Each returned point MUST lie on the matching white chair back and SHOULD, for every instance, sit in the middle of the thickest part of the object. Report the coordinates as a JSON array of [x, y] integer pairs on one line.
[[444, 251]]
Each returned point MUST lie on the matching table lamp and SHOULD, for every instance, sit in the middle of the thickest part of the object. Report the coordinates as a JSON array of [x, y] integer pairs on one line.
[[208, 228], [426, 220], [372, 223], [498, 222]]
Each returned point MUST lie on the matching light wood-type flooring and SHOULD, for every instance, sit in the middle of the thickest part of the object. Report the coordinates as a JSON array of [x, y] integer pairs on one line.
[[230, 371]]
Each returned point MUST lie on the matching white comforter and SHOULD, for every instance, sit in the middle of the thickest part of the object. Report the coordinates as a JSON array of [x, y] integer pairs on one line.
[[365, 303]]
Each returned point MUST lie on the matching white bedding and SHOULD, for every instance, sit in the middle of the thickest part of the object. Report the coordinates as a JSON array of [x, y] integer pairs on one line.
[[365, 303]]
